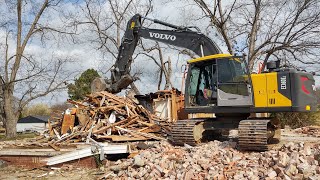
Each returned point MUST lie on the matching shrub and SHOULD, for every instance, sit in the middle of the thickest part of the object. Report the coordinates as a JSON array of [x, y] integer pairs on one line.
[[295, 119], [37, 109]]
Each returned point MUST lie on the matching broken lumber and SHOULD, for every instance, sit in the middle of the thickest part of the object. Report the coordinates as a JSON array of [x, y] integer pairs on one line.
[[99, 116]]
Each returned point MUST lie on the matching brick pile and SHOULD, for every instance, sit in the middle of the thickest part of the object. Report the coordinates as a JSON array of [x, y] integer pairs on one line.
[[313, 131], [219, 160]]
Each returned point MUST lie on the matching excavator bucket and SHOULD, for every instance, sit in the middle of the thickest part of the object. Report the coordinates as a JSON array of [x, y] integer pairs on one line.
[[100, 84]]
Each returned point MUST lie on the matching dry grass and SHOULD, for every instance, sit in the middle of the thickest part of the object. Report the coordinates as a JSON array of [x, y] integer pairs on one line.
[[295, 120], [19, 136], [317, 116]]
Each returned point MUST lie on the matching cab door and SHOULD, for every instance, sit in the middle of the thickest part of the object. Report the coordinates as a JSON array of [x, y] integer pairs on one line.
[[233, 86]]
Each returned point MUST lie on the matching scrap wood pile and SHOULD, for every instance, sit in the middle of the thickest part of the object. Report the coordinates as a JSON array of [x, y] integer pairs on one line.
[[105, 117]]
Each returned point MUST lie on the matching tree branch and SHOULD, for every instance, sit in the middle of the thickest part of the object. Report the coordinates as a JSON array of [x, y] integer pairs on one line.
[[21, 47]]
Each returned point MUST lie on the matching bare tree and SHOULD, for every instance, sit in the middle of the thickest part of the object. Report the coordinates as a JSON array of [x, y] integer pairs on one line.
[[107, 26], [24, 76], [167, 71], [219, 18], [277, 30], [292, 39], [164, 67]]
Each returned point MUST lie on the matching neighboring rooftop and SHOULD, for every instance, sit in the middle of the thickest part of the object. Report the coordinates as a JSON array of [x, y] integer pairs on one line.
[[34, 119]]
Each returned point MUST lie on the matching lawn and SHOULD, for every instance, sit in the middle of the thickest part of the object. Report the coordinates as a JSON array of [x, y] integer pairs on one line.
[[19, 136]]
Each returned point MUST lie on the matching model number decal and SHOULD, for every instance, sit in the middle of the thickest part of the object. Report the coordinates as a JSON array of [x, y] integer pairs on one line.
[[283, 82]]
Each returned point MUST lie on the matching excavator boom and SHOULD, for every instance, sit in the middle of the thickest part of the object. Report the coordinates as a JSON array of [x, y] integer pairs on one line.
[[179, 36]]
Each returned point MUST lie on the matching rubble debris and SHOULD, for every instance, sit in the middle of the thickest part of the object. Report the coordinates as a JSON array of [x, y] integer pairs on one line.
[[3, 163], [104, 148], [168, 105], [218, 160], [313, 131], [212, 160], [105, 117]]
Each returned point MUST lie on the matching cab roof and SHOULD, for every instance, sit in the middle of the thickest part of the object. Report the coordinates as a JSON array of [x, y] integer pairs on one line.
[[205, 58]]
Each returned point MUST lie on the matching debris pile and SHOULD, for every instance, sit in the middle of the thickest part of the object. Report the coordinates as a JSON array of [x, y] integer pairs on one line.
[[166, 104], [106, 117], [309, 130], [219, 160]]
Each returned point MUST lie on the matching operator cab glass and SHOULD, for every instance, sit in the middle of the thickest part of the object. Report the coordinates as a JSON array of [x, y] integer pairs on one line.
[[218, 80]]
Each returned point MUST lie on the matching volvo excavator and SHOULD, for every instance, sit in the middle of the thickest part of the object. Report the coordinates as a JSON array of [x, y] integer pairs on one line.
[[221, 84]]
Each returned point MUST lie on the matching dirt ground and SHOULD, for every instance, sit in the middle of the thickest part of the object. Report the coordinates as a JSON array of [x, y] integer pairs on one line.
[[11, 172]]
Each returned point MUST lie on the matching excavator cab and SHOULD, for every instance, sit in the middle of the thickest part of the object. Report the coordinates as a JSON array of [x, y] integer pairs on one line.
[[219, 80]]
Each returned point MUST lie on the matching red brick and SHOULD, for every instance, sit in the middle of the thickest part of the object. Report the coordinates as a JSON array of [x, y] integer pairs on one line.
[[36, 161]]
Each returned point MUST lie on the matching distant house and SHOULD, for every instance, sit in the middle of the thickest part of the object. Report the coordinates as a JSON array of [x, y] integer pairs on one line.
[[32, 123]]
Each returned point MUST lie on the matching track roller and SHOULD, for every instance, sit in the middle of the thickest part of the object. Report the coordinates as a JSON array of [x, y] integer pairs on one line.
[[258, 134], [187, 131]]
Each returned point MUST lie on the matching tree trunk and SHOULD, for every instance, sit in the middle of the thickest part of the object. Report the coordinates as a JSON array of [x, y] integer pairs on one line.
[[227, 40], [2, 115], [160, 78], [253, 34], [11, 117], [1, 102], [223, 28], [168, 73]]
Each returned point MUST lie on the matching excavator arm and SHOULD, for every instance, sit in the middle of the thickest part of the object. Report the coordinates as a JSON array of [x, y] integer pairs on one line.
[[185, 37]]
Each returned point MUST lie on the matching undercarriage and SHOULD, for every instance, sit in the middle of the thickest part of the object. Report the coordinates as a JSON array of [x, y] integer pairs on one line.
[[254, 134]]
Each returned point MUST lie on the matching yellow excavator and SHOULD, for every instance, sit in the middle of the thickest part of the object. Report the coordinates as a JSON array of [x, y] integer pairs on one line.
[[221, 84]]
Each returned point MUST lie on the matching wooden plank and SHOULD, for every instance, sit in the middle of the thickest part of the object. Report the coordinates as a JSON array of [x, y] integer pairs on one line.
[[56, 133], [43, 140], [83, 117], [68, 121], [74, 141], [97, 126], [102, 101], [68, 137], [141, 130], [76, 103], [140, 133], [125, 138], [54, 146], [84, 127], [118, 99], [103, 129], [117, 138], [88, 126], [152, 129], [110, 107], [51, 133], [134, 119], [120, 111], [174, 107], [145, 123]]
